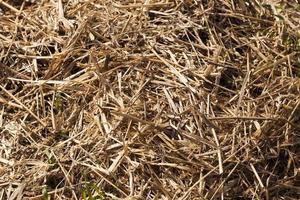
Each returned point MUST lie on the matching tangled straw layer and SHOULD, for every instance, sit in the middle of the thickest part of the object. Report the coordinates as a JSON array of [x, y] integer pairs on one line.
[[149, 99]]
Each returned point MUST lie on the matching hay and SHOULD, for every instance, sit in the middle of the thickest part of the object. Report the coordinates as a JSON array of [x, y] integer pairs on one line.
[[149, 99]]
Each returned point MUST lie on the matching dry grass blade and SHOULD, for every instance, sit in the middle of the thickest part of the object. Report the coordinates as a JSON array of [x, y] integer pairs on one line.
[[23, 106]]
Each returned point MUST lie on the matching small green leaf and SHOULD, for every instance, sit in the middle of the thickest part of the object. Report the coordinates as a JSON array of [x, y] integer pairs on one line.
[[45, 193], [280, 17]]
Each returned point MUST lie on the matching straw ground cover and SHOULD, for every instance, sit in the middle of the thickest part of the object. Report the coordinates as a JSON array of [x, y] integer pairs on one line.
[[149, 99]]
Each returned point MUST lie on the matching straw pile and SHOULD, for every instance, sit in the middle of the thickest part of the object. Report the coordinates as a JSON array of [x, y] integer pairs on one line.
[[149, 99]]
